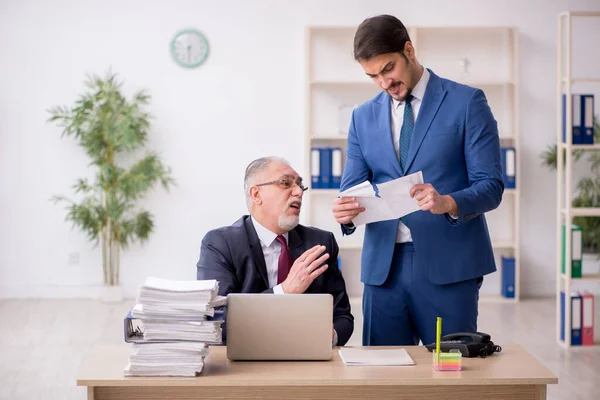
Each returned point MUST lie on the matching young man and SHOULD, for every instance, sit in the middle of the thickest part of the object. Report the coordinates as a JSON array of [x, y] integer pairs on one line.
[[432, 262], [269, 252]]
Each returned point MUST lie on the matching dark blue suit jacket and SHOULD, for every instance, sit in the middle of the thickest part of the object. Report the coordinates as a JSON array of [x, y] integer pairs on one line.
[[233, 256], [455, 143]]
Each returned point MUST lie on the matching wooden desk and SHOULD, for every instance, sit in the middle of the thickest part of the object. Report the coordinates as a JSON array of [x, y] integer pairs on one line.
[[512, 374]]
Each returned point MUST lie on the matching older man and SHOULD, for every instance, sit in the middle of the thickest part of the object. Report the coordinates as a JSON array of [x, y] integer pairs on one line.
[[269, 252]]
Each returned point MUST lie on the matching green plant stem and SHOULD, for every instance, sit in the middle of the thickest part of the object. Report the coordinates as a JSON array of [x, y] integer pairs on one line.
[[104, 257], [118, 266], [110, 253]]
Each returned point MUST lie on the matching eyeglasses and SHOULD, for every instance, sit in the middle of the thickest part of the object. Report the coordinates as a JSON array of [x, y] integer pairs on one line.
[[285, 184]]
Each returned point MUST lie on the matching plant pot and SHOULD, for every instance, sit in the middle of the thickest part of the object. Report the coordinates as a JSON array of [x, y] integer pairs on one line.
[[111, 294]]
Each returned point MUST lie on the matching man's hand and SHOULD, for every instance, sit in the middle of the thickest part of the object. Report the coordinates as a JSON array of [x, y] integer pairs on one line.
[[430, 200], [345, 209], [305, 270]]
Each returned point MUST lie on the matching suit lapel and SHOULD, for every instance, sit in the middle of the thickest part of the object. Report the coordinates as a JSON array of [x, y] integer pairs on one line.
[[257, 253], [384, 138], [295, 244], [434, 94]]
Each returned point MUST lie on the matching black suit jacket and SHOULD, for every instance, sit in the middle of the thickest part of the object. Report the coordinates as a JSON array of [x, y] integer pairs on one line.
[[233, 256]]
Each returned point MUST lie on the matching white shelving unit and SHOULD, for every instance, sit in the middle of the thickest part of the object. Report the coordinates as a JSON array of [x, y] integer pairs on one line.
[[334, 79], [568, 77]]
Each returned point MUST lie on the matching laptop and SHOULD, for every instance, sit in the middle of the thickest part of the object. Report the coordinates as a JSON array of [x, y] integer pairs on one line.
[[279, 326]]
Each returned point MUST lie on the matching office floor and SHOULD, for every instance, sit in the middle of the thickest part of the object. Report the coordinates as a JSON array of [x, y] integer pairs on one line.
[[42, 343]]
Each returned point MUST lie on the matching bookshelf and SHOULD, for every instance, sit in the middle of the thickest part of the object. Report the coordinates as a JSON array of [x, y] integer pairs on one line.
[[570, 80], [483, 57]]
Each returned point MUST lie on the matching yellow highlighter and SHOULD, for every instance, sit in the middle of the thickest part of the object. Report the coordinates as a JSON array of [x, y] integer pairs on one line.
[[438, 335]]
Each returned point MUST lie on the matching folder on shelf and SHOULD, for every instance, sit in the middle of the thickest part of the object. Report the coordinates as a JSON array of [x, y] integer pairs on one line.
[[509, 167], [587, 319], [576, 251], [576, 320], [574, 327], [315, 168], [336, 167], [587, 108], [576, 118], [508, 277], [325, 167]]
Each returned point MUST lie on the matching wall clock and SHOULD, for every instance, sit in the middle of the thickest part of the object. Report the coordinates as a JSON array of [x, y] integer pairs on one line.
[[189, 48]]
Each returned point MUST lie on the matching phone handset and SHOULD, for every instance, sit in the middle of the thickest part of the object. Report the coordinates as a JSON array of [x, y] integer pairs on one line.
[[478, 337]]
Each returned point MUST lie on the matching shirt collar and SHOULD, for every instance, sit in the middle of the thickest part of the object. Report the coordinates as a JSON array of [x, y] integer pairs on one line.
[[419, 91], [266, 236]]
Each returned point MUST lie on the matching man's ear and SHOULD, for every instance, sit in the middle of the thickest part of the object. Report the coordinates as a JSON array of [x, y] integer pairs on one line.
[[255, 195], [409, 51]]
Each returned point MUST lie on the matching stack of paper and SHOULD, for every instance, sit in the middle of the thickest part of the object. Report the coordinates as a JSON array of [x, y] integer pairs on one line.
[[199, 331], [358, 356], [166, 359], [162, 298], [171, 320]]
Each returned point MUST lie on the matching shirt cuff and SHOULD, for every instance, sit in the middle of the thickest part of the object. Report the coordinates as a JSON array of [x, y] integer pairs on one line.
[[453, 216], [335, 338], [278, 289]]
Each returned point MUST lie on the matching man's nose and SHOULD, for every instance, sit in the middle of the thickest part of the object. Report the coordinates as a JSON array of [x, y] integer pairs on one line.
[[385, 83], [297, 190]]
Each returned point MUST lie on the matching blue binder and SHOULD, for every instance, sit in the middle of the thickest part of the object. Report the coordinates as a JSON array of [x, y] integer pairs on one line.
[[336, 167], [509, 167], [315, 168], [576, 318], [577, 115], [325, 168], [587, 118], [508, 277]]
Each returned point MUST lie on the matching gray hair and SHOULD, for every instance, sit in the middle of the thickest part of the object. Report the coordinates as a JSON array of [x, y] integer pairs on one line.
[[256, 167]]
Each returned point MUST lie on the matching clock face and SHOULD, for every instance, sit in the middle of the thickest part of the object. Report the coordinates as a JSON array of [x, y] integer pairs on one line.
[[189, 48]]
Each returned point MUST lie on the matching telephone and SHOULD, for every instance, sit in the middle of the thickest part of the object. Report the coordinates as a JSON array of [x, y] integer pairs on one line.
[[476, 344]]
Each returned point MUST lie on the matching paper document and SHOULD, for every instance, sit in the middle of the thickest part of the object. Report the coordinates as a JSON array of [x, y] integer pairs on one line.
[[362, 356], [394, 199]]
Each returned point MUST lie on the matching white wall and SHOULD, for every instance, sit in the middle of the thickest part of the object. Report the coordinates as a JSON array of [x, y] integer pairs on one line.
[[246, 101]]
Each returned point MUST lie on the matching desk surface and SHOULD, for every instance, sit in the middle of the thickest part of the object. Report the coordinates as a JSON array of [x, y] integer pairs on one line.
[[513, 366]]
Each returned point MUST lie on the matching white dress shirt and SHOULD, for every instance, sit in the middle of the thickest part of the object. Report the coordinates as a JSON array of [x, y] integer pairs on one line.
[[397, 116], [271, 249]]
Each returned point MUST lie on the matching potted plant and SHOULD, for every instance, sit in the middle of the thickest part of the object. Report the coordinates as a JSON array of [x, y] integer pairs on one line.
[[110, 127], [587, 194]]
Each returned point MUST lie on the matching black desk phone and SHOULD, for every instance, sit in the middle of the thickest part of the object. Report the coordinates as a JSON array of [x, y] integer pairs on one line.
[[477, 344]]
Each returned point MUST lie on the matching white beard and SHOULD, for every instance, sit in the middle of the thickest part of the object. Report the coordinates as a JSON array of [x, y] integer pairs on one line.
[[288, 223]]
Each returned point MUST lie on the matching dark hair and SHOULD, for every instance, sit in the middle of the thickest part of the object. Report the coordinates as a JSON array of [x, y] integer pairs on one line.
[[379, 35]]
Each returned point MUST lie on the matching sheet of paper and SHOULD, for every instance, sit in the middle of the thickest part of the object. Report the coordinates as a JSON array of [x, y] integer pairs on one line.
[[362, 356], [169, 285], [394, 199]]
